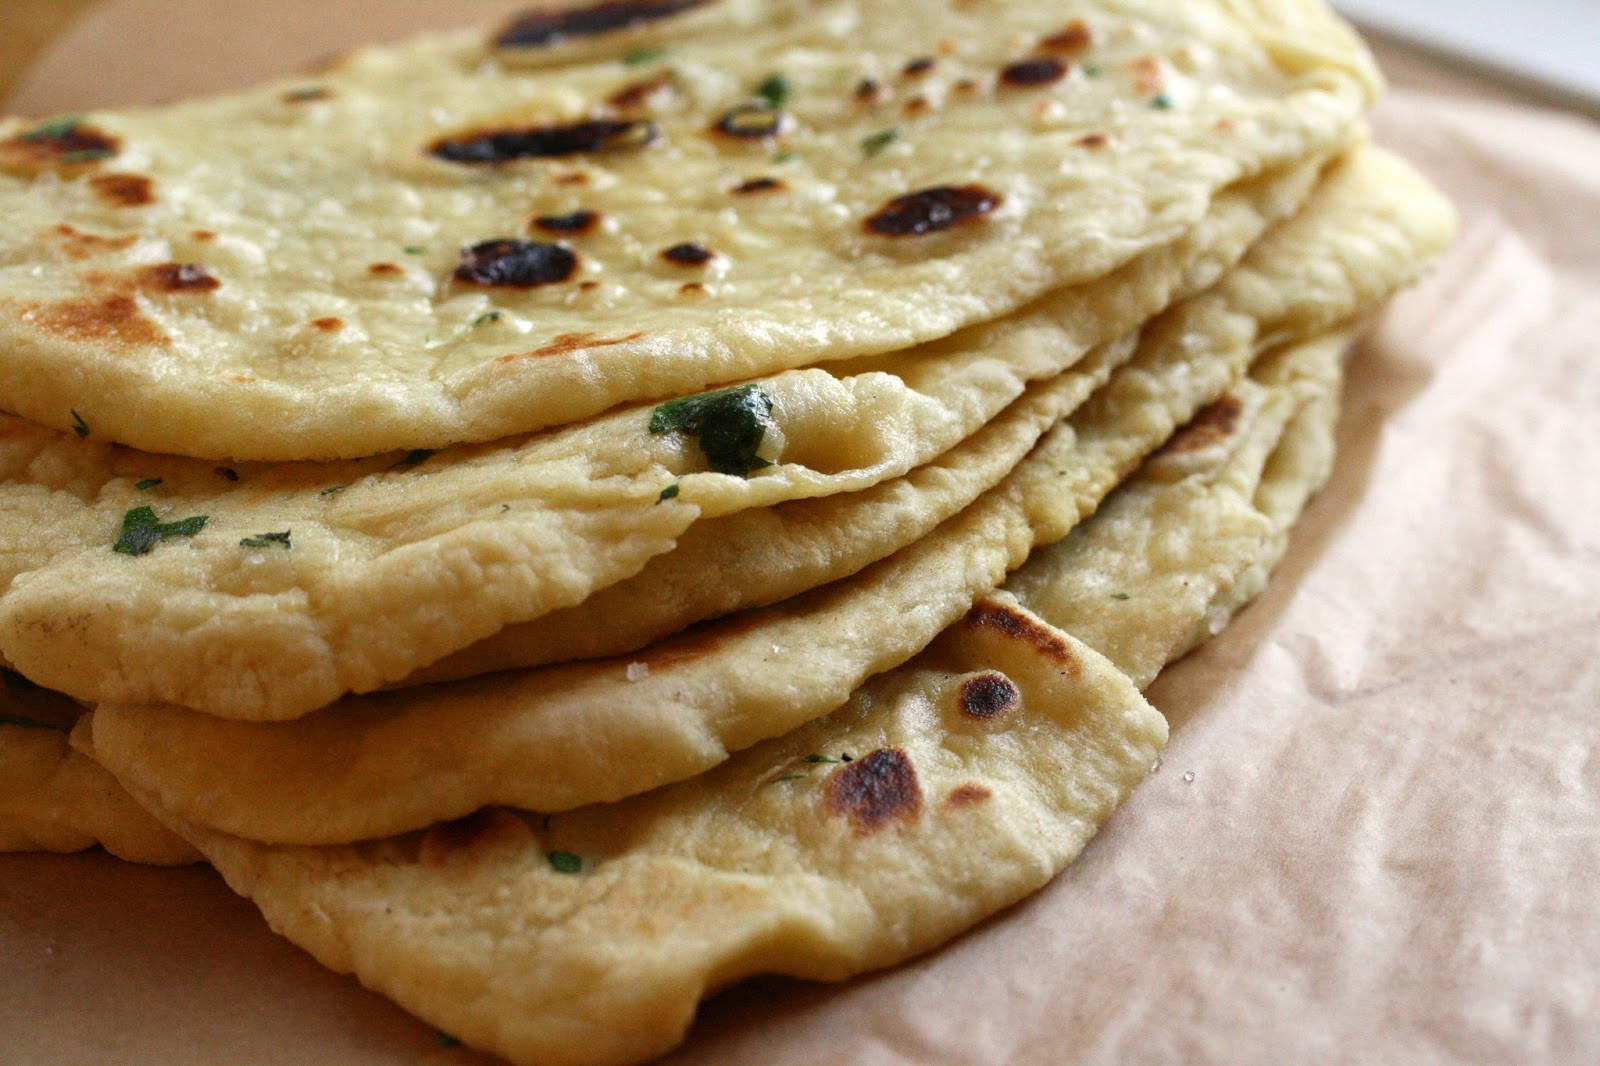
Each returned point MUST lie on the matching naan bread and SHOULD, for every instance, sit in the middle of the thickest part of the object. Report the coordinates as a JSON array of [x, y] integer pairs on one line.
[[1297, 470], [53, 798], [1173, 553], [418, 555], [1299, 467], [235, 277], [301, 579], [587, 732], [590, 937]]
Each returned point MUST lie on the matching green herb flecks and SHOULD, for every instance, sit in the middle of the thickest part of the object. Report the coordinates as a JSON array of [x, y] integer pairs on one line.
[[58, 127], [774, 90], [486, 318], [268, 540], [1120, 596], [1163, 102], [88, 155], [566, 862], [784, 157], [142, 531], [1091, 70], [25, 723], [79, 426], [668, 493], [812, 760], [414, 249], [446, 1040], [148, 483], [641, 56], [333, 490], [415, 457], [871, 146], [729, 423]]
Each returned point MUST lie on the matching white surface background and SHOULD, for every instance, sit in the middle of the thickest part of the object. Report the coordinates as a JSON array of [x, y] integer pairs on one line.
[[1553, 42]]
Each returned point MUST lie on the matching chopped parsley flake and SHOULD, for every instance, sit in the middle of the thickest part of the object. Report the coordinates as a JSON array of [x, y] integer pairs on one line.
[[414, 249], [88, 155], [668, 493], [79, 426], [566, 862], [60, 127], [784, 157], [871, 146], [774, 90], [267, 540], [333, 490], [1120, 596], [729, 423], [415, 457], [811, 760], [485, 318], [504, 507], [1091, 70], [142, 531], [640, 56], [1162, 102], [148, 483]]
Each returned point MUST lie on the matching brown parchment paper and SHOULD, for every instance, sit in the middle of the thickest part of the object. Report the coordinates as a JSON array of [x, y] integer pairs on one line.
[[1374, 837]]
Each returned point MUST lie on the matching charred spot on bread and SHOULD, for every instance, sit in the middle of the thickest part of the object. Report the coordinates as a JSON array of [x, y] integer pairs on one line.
[[515, 264]]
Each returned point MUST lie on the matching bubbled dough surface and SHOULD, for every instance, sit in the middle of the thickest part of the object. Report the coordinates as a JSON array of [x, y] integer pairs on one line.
[[305, 197]]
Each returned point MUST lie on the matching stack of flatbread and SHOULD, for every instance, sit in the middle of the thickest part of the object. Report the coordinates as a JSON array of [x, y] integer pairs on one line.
[[567, 516]]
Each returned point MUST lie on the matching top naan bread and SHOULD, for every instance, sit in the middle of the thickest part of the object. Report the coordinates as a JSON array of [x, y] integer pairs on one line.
[[444, 242]]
